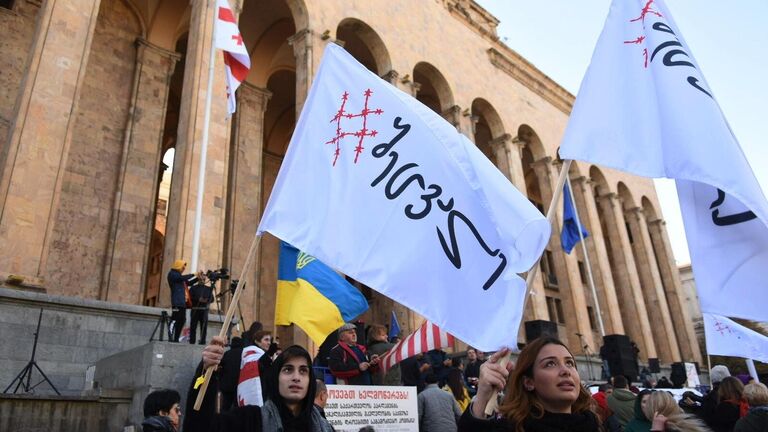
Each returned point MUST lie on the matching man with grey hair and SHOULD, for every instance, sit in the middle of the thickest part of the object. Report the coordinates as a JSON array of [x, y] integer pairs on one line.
[[349, 360]]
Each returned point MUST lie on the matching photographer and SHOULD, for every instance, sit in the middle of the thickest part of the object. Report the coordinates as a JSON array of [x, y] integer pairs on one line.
[[201, 294], [180, 297]]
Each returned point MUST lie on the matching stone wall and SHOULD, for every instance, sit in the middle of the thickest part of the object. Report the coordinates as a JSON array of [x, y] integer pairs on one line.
[[18, 26], [74, 334], [63, 413]]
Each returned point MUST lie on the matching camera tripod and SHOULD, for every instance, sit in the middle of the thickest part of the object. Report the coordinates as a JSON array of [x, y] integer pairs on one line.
[[162, 324], [26, 373]]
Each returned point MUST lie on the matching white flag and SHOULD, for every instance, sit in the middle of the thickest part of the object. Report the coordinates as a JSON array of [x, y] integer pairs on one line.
[[382, 188], [644, 107], [236, 59], [725, 337]]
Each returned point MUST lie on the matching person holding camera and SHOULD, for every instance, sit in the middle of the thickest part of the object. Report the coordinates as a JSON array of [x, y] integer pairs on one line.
[[202, 294], [180, 297]]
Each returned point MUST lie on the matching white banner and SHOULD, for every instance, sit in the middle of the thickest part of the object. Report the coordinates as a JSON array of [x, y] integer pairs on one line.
[[645, 107], [728, 338], [386, 408], [385, 190]]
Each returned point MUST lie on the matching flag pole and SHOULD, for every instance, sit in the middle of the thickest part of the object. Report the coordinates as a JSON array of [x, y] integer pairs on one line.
[[752, 370], [204, 147], [228, 318], [493, 403], [586, 258]]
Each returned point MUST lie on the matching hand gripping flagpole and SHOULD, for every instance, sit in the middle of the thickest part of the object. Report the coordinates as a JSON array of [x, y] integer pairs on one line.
[[490, 408], [230, 313], [204, 148], [586, 258]]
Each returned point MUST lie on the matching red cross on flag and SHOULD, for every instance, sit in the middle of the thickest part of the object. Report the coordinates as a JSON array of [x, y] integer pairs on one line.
[[227, 38]]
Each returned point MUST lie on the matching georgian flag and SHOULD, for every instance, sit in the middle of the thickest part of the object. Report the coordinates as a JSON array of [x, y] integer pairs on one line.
[[236, 59], [249, 382], [644, 107]]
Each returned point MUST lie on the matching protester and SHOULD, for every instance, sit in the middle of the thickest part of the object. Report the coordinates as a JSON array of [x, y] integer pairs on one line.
[[161, 411], [601, 397], [440, 363], [229, 371], [378, 344], [180, 297], [664, 383], [622, 400], [640, 423], [454, 384], [289, 394], [349, 361], [201, 295], [438, 411], [756, 419], [729, 406], [414, 371], [472, 370], [321, 395], [249, 388], [543, 393], [664, 415]]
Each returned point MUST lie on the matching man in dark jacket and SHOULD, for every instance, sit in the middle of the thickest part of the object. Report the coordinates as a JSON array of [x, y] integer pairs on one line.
[[180, 299], [161, 411], [201, 294], [349, 361], [378, 345]]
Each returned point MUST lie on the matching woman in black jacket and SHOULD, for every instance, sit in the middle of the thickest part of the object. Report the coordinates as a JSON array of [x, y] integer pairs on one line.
[[543, 393]]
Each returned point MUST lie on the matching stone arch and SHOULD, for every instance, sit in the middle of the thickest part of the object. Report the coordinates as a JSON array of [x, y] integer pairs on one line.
[[648, 208], [599, 183], [627, 200], [168, 22], [138, 15], [434, 90], [299, 13], [532, 141], [487, 126], [271, 24], [365, 45]]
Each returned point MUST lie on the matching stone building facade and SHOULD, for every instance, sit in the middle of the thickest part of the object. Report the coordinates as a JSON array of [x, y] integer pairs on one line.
[[94, 93]]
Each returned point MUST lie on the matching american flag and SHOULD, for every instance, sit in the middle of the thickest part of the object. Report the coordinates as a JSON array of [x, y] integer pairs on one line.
[[427, 337]]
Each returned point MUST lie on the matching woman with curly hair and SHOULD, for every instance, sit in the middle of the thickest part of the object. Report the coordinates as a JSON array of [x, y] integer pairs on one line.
[[543, 393], [665, 415]]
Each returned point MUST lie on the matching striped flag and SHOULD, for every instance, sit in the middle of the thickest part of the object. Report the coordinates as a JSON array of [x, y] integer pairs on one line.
[[427, 337], [249, 382], [236, 59]]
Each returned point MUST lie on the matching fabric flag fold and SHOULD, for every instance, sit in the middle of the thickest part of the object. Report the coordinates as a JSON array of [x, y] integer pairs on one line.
[[249, 381], [728, 338], [313, 296], [427, 337], [569, 235], [644, 107], [383, 189], [237, 61], [394, 327]]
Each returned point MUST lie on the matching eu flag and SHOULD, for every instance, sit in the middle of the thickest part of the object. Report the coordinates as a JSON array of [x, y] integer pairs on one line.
[[313, 296], [394, 327], [569, 235]]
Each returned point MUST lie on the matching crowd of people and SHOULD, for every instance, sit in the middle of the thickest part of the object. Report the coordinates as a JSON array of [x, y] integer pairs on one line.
[[260, 387]]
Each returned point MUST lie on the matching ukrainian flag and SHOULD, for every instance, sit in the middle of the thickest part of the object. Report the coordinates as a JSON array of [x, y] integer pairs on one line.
[[313, 296]]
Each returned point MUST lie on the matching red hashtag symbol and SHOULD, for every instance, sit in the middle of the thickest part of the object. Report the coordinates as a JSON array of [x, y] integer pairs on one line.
[[237, 38], [360, 134]]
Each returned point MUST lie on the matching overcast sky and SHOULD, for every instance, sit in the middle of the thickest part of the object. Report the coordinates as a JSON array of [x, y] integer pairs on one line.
[[728, 39]]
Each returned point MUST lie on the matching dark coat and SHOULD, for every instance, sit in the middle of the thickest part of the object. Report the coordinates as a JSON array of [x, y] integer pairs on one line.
[[755, 421], [724, 418], [345, 365], [177, 282], [549, 422], [157, 424]]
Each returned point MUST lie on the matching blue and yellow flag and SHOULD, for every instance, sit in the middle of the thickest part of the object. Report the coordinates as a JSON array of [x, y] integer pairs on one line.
[[313, 296]]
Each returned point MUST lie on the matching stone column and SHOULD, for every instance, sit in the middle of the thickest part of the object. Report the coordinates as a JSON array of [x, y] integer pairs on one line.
[[670, 277], [566, 266], [183, 197], [244, 201], [132, 216], [653, 290], [633, 310], [500, 148], [453, 116], [39, 140], [302, 43], [598, 256], [515, 148]]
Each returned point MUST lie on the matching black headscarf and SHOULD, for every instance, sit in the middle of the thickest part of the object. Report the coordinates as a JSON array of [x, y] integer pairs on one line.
[[272, 392]]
